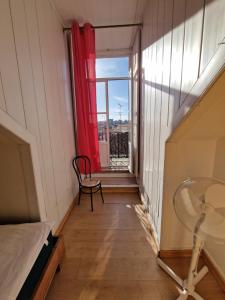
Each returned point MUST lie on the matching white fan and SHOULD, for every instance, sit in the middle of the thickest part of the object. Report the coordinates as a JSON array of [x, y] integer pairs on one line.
[[200, 206]]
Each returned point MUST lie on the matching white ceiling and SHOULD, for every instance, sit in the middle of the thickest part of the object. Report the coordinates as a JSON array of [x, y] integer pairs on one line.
[[105, 12]]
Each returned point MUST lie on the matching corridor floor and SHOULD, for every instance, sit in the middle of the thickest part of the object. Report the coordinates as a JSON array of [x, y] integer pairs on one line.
[[109, 256]]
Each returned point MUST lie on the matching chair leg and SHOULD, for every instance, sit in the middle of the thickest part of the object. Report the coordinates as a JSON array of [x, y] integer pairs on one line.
[[79, 196], [91, 201], [101, 194]]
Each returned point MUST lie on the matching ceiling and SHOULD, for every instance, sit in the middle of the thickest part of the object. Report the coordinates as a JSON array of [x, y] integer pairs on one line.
[[105, 12]]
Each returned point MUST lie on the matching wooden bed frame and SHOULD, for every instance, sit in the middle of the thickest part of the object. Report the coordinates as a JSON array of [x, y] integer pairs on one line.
[[50, 269]]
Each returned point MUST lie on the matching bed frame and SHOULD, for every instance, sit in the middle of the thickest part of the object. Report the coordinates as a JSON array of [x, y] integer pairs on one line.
[[52, 266]]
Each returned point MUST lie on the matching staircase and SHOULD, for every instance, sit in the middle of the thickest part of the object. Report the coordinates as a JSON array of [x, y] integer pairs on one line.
[[121, 183]]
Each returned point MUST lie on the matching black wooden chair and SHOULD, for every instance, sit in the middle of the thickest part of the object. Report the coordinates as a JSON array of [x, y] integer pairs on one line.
[[87, 184]]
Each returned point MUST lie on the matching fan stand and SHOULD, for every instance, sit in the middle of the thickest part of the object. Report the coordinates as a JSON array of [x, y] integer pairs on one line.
[[188, 285]]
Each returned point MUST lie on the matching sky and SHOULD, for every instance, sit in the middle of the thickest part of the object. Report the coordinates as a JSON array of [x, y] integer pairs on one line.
[[117, 89]]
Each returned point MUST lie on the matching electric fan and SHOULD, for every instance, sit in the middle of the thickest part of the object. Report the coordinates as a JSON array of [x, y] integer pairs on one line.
[[199, 204]]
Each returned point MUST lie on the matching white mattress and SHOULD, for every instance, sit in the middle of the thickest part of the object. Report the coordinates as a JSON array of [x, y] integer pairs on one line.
[[20, 246]]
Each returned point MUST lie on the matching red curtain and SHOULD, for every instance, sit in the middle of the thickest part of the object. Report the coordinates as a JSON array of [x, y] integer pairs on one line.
[[83, 48]]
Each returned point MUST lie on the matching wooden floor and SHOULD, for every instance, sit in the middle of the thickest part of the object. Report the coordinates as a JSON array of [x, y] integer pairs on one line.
[[109, 255]]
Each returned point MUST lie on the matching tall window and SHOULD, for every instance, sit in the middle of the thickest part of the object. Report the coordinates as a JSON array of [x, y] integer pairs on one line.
[[112, 67], [112, 76], [112, 94]]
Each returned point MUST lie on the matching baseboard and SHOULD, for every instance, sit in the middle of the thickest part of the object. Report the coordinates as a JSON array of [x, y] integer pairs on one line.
[[153, 231], [214, 270], [65, 218], [187, 253]]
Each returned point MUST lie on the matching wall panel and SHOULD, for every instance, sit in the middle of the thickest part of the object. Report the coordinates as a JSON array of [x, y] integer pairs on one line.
[[174, 46], [45, 146], [177, 56], [158, 108], [48, 30], [192, 45], [35, 91], [214, 30], [9, 65], [46, 159], [24, 65]]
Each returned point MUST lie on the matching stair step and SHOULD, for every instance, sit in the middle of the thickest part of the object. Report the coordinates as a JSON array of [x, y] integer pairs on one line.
[[132, 188], [115, 181]]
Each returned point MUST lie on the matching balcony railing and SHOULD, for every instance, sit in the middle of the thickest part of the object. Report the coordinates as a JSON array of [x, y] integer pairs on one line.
[[118, 144]]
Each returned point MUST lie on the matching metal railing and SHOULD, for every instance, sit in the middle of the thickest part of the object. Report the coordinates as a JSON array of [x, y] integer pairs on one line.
[[118, 143]]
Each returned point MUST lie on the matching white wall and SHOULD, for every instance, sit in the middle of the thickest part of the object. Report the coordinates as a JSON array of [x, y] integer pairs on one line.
[[17, 185], [195, 149], [17, 204], [35, 94], [180, 58]]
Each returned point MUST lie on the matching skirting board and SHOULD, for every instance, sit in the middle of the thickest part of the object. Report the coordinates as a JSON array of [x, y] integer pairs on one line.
[[187, 253], [65, 218], [213, 269], [151, 225]]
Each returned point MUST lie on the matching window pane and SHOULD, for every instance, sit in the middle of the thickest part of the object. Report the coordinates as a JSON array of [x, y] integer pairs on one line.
[[118, 105], [112, 67], [102, 127], [101, 97]]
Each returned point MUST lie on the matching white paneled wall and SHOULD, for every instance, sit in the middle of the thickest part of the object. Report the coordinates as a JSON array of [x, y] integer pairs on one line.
[[35, 92], [9, 66], [180, 57], [195, 149]]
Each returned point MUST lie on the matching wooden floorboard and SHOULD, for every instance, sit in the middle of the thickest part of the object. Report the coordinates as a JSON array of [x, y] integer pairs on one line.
[[110, 254]]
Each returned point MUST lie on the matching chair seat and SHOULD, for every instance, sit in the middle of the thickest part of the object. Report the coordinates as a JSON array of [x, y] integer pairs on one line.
[[90, 182]]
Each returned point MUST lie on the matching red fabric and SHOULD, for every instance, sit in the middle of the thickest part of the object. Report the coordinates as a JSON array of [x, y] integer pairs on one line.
[[83, 41]]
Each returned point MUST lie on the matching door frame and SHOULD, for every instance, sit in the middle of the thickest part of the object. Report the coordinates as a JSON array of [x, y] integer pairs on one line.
[[106, 81]]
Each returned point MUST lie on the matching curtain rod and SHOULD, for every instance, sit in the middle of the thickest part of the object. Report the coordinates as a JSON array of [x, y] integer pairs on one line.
[[109, 26]]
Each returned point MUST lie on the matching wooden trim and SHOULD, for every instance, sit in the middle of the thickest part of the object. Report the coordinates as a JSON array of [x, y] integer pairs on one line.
[[175, 253], [50, 270], [211, 266], [65, 218]]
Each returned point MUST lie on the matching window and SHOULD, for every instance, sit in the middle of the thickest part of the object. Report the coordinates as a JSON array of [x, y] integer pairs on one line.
[[118, 100], [112, 67], [113, 108], [101, 97], [101, 111], [102, 127]]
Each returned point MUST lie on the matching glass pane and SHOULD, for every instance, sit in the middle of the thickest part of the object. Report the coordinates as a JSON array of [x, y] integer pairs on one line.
[[102, 127], [118, 123], [112, 67], [118, 105], [101, 97]]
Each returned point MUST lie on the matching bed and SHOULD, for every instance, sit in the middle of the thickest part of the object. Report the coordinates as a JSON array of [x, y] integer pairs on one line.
[[29, 258]]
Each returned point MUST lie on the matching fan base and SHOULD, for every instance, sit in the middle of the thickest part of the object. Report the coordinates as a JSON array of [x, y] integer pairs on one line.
[[187, 286]]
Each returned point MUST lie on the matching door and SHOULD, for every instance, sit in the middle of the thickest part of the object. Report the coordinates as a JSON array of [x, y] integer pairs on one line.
[[103, 129], [119, 125]]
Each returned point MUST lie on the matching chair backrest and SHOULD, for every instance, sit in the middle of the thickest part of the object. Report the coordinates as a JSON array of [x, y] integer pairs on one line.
[[82, 165]]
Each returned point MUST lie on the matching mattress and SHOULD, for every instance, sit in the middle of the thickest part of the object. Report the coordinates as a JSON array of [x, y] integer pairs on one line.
[[20, 246]]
